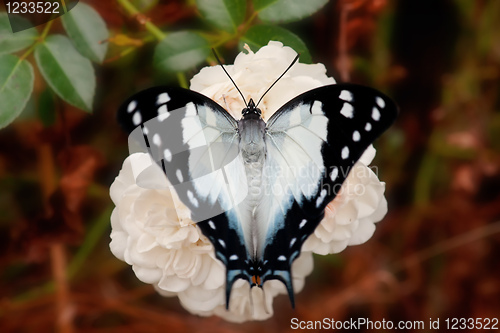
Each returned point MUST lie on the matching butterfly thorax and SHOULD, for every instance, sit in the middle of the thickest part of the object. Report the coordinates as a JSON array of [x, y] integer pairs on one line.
[[251, 129]]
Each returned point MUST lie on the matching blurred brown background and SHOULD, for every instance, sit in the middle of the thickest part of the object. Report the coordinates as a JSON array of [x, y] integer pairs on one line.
[[435, 254]]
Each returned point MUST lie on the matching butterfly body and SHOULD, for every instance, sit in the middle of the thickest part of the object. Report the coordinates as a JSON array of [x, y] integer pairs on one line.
[[257, 189]]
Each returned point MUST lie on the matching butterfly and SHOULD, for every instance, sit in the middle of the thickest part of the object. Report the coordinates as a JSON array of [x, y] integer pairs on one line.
[[257, 189]]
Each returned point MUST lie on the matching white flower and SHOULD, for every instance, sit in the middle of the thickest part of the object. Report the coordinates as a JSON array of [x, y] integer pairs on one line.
[[152, 230]]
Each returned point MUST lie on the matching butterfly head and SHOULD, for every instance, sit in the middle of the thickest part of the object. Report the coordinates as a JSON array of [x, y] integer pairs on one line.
[[251, 111]]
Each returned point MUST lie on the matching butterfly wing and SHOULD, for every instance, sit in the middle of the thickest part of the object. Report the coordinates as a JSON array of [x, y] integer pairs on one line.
[[313, 141], [195, 142]]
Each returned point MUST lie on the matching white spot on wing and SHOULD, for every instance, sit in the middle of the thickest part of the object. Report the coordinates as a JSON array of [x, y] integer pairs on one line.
[[190, 109], [222, 243], [178, 173], [282, 258], [163, 109], [211, 224], [162, 98], [334, 173], [380, 102], [356, 136], [317, 108], [321, 198], [137, 118], [368, 127], [167, 154], [163, 113], [191, 197], [145, 130], [131, 106], [302, 223], [375, 114], [233, 257], [347, 110], [346, 95], [192, 130], [157, 139], [345, 153], [162, 116], [292, 241], [210, 117]]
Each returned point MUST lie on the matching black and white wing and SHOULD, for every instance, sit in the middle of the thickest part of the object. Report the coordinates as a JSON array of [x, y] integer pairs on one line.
[[313, 141], [195, 141]]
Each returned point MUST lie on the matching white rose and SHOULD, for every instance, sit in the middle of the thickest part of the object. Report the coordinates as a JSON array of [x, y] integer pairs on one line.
[[152, 231]]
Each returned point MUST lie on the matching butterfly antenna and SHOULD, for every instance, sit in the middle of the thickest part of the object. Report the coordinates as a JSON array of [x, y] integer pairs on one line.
[[286, 70], [230, 78]]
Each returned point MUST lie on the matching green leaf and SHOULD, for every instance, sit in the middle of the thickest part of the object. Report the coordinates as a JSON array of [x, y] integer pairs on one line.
[[66, 71], [260, 35], [87, 29], [279, 11], [224, 14], [181, 51], [12, 42], [16, 85], [258, 5]]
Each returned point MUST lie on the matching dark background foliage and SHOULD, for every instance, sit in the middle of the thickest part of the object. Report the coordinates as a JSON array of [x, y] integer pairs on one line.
[[435, 254]]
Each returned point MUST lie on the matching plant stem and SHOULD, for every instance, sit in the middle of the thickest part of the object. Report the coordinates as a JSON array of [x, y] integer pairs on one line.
[[132, 11], [249, 22], [28, 52], [46, 30], [182, 80], [94, 235], [64, 6], [343, 61], [424, 181], [448, 245], [40, 39], [64, 322], [92, 239]]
